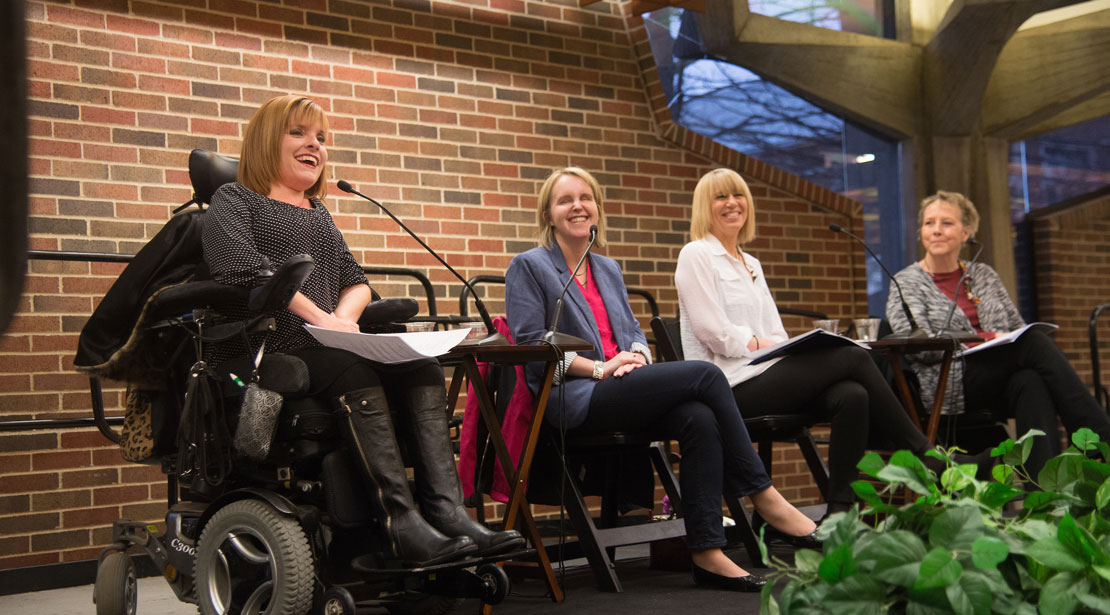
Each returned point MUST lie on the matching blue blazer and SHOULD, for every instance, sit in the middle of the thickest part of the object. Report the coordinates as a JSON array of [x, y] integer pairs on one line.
[[532, 285]]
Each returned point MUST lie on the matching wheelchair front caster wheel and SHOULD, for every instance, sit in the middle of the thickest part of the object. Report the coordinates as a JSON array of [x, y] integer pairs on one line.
[[496, 583], [117, 586], [338, 601]]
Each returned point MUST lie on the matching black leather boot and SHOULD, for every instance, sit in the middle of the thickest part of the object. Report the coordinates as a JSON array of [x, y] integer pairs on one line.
[[411, 538], [438, 489]]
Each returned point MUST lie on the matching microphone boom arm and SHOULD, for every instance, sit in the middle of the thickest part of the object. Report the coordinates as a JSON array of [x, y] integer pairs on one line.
[[492, 336]]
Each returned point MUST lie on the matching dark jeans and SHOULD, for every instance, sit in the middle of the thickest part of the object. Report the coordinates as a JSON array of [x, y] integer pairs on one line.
[[688, 401], [843, 386], [1031, 381]]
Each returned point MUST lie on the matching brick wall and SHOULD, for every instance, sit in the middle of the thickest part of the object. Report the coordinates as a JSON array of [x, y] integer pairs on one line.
[[1073, 276], [451, 112]]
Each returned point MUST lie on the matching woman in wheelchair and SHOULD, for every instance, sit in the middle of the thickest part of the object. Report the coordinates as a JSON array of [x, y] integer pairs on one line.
[[275, 211], [616, 387]]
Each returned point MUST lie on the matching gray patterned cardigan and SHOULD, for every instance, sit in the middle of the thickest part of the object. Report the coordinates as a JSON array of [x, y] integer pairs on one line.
[[929, 306]]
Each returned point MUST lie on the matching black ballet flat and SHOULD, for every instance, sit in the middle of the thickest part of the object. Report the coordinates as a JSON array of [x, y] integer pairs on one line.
[[808, 541], [748, 583]]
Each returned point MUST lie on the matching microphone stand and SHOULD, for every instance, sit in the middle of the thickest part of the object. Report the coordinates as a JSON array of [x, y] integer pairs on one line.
[[493, 338], [944, 331], [915, 331], [553, 337]]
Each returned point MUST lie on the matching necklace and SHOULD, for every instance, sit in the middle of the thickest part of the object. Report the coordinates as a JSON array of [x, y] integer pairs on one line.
[[751, 270]]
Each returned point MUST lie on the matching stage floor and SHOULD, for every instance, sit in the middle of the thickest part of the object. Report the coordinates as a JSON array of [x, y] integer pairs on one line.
[[645, 591]]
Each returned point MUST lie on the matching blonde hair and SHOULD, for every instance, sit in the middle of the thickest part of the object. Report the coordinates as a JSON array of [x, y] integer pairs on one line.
[[969, 216], [260, 162], [546, 231], [713, 183]]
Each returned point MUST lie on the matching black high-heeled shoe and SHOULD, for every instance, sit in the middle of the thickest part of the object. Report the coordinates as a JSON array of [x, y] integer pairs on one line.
[[771, 533], [748, 583], [808, 541]]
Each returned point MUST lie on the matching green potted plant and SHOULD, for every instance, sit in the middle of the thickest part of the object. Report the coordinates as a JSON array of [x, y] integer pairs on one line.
[[952, 550]]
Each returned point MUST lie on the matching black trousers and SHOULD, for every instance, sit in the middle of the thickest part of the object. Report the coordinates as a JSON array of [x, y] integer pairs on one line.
[[843, 386], [688, 401], [334, 372], [1032, 382]]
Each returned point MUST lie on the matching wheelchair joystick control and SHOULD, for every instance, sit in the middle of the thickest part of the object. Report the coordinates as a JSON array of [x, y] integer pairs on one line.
[[264, 271]]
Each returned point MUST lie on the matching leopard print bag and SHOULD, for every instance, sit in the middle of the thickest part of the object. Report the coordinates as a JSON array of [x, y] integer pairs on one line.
[[136, 441]]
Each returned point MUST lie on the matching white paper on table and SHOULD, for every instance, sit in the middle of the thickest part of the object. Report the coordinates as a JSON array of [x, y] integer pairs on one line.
[[808, 341], [1010, 336], [391, 347]]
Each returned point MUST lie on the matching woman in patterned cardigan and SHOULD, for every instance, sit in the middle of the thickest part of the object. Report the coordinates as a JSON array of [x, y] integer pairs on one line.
[[1029, 380]]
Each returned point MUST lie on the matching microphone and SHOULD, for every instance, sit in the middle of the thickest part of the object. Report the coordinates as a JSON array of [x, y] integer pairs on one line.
[[915, 331], [493, 338], [562, 338], [971, 241]]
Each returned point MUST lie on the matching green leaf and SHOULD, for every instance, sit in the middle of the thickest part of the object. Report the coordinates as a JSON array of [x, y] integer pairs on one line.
[[1103, 571], [807, 561], [938, 569], [767, 603], [995, 495], [1038, 500], [958, 599], [857, 595], [895, 557], [1098, 604], [1002, 473], [866, 492], [905, 476], [955, 478], [1084, 439], [1059, 594], [1102, 496], [956, 528], [1052, 553], [1003, 447], [837, 565], [1080, 542], [987, 552], [1060, 472], [977, 587], [1035, 529], [871, 464]]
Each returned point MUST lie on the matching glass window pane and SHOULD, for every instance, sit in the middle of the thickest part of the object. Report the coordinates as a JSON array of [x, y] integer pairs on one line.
[[739, 109], [859, 16], [1056, 166]]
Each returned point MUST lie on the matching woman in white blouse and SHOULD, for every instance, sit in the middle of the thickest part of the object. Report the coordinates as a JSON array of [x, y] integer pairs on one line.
[[727, 314]]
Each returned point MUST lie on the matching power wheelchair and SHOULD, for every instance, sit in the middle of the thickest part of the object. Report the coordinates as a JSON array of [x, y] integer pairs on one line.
[[286, 535]]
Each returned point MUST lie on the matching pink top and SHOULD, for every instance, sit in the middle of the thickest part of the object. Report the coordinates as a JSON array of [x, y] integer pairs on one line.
[[609, 346], [947, 282]]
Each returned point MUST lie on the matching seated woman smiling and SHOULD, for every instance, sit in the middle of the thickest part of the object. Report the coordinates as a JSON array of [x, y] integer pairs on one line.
[[616, 387]]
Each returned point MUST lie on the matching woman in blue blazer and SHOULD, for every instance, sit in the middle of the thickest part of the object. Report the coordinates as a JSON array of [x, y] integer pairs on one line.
[[616, 387]]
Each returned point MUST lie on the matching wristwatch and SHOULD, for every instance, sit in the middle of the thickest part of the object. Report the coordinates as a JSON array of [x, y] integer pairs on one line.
[[599, 370]]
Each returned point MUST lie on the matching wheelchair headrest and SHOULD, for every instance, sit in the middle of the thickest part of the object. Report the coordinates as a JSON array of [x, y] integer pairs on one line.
[[208, 171]]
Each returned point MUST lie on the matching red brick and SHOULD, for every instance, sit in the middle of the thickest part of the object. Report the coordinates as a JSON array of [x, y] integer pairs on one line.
[[88, 478], [90, 516]]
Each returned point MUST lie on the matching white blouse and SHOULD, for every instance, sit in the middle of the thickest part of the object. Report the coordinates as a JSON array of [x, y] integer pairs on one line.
[[723, 307]]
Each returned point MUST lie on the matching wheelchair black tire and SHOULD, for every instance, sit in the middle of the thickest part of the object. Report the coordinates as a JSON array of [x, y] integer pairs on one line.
[[117, 585], [249, 536]]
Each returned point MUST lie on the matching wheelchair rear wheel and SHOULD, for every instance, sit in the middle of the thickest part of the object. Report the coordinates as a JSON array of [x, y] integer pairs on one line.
[[252, 559]]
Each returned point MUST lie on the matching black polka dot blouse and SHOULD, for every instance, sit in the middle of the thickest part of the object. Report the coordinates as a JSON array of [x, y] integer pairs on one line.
[[241, 226]]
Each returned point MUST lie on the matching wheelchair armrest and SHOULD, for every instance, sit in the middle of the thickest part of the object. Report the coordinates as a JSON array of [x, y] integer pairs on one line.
[[279, 289], [387, 311]]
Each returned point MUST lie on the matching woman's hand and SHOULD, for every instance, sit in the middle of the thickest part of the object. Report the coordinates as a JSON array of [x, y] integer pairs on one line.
[[623, 363], [759, 343], [337, 323]]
